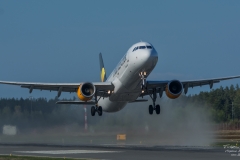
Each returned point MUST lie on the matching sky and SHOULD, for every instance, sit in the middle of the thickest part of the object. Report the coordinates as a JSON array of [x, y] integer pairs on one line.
[[59, 41]]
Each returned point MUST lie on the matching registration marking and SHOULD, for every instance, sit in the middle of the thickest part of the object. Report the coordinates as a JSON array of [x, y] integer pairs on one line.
[[67, 152]]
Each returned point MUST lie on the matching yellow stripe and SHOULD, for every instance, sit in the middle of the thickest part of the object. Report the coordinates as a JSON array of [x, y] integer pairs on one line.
[[103, 74]]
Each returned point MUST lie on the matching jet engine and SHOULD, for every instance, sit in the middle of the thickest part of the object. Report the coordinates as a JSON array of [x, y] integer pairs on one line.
[[86, 91], [174, 89]]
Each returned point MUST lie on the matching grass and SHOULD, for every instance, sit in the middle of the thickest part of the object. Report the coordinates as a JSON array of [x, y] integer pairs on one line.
[[221, 144], [13, 157]]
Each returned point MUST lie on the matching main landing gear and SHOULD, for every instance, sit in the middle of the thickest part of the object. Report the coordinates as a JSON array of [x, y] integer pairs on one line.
[[95, 109], [156, 108], [153, 107]]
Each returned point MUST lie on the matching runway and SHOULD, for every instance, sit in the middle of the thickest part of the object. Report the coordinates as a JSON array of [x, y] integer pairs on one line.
[[119, 152]]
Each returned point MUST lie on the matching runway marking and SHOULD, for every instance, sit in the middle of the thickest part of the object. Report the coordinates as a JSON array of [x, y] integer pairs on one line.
[[67, 152]]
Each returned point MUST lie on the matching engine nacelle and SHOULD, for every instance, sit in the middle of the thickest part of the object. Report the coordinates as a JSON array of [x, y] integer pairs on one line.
[[86, 91], [174, 89]]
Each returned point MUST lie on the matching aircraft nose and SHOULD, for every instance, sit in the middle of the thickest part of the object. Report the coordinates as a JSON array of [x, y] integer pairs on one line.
[[154, 53], [144, 56], [150, 54], [147, 57]]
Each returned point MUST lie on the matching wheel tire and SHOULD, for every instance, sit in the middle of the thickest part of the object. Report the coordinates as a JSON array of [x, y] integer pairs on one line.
[[158, 109], [150, 109], [93, 111], [100, 111]]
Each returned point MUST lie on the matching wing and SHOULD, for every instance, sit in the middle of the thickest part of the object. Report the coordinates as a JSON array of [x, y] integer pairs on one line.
[[62, 87], [161, 85]]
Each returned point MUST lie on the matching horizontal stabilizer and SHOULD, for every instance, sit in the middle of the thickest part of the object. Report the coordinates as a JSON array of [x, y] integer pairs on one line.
[[139, 100], [76, 102]]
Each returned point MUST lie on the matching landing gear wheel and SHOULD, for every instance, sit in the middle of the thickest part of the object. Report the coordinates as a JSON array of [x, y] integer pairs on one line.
[[100, 111], [158, 109], [150, 109], [93, 111]]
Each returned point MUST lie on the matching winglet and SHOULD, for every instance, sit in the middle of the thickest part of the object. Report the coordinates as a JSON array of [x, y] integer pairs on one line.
[[102, 69]]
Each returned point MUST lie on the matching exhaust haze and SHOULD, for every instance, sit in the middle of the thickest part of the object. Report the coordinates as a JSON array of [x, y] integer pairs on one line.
[[180, 123]]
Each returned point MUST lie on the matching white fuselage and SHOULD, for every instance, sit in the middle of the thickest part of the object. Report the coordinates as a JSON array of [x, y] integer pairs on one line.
[[125, 77]]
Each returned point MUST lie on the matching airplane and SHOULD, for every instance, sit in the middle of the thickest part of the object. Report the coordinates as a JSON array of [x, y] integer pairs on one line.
[[126, 83]]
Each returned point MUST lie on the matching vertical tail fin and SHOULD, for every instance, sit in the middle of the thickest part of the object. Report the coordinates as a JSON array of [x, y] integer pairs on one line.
[[102, 69]]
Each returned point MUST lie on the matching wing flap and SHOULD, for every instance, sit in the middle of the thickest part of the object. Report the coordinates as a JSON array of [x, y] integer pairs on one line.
[[156, 84], [139, 100], [75, 102], [199, 83], [210, 82]]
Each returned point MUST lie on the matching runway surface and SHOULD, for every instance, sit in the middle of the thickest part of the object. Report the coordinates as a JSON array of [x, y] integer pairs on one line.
[[119, 152]]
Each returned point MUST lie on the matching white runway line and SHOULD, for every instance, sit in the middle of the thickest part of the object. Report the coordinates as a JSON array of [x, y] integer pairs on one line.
[[67, 152]]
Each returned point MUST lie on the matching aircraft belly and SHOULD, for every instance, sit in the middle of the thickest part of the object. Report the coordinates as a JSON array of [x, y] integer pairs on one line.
[[110, 106], [123, 94], [126, 97]]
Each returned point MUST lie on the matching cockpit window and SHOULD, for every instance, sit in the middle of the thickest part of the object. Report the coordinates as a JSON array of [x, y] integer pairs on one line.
[[149, 47], [136, 48], [142, 47]]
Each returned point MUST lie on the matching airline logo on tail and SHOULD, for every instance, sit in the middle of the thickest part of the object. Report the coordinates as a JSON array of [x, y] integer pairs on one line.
[[102, 69], [103, 75]]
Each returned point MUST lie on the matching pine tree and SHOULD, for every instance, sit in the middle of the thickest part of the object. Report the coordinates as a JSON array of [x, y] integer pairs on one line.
[[237, 105]]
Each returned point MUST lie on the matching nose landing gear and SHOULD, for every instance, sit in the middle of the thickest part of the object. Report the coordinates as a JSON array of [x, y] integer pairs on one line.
[[143, 78]]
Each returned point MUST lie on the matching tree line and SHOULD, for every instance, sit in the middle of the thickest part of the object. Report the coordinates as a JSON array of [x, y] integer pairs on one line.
[[222, 103]]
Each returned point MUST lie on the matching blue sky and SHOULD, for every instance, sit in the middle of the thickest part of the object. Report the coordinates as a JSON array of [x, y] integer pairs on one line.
[[59, 41]]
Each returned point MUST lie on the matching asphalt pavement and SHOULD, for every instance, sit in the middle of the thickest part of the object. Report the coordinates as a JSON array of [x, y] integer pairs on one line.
[[119, 152]]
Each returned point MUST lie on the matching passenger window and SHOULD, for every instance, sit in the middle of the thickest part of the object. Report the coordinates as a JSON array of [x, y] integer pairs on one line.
[[142, 47]]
